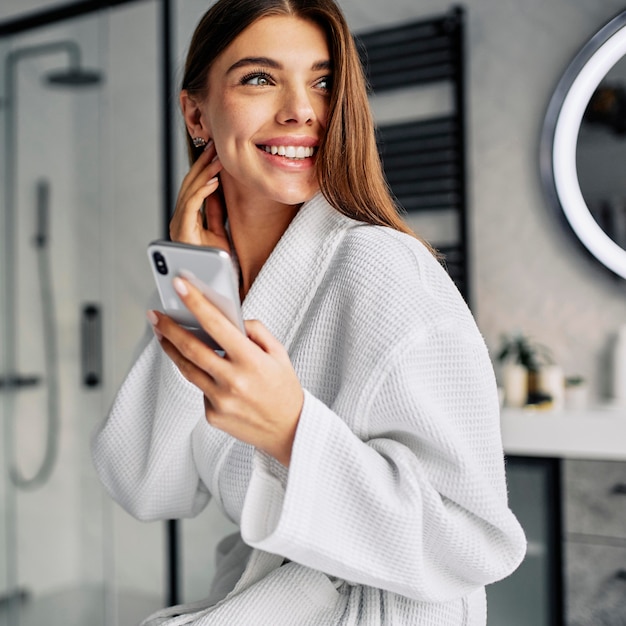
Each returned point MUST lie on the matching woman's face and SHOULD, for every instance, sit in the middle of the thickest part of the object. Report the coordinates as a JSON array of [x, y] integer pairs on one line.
[[266, 108]]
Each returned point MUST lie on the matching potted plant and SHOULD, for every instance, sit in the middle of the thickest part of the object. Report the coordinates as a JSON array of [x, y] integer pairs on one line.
[[521, 360]]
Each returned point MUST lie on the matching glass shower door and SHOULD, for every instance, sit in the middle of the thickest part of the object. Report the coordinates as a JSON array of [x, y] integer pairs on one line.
[[81, 196], [53, 556]]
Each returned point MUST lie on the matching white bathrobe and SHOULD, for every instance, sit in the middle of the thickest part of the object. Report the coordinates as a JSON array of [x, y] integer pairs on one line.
[[394, 507]]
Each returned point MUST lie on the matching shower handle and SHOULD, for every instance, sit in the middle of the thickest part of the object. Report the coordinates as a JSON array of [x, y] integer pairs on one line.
[[18, 381], [91, 340]]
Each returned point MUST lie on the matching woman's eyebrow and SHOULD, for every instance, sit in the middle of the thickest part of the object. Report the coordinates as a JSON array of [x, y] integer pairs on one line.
[[322, 65], [267, 62], [246, 61]]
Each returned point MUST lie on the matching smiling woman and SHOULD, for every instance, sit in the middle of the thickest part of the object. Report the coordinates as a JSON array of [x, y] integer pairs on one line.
[[361, 397]]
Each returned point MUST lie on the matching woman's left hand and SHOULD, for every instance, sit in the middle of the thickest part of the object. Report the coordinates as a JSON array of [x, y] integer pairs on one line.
[[253, 392]]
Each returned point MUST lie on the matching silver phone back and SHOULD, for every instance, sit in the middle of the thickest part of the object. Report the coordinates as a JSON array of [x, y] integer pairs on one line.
[[209, 269]]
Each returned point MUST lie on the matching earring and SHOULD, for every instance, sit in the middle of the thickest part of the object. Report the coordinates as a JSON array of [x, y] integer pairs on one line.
[[198, 142]]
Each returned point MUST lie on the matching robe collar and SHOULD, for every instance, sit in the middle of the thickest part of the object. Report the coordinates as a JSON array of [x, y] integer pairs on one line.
[[288, 280]]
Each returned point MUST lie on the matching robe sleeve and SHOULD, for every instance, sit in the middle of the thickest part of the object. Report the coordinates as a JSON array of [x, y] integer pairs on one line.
[[143, 451], [419, 505]]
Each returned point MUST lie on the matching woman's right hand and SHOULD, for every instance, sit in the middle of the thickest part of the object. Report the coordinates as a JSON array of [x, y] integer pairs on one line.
[[197, 191]]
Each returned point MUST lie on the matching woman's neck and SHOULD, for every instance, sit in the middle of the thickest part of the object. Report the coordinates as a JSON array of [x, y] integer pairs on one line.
[[256, 226]]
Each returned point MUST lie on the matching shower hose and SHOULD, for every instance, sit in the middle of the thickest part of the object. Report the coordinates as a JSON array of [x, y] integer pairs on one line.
[[43, 472]]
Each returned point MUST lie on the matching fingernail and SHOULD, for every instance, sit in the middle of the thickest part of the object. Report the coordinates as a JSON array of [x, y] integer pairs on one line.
[[213, 180], [179, 285], [209, 143], [154, 320]]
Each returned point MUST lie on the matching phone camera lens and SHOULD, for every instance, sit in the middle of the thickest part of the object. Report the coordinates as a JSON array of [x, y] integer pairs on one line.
[[159, 262]]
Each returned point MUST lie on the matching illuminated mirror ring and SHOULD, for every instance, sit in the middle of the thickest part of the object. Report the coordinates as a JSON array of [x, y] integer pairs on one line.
[[560, 138]]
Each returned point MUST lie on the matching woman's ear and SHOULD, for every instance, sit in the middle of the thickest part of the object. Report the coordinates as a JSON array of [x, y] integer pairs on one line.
[[194, 119]]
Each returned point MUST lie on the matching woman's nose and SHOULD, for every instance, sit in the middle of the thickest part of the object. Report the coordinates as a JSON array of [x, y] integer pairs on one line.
[[296, 107]]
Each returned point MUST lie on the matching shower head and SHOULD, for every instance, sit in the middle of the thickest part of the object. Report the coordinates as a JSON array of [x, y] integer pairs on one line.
[[74, 77]]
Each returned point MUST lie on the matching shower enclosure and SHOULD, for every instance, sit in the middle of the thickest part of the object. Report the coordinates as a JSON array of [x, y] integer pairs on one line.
[[80, 197]]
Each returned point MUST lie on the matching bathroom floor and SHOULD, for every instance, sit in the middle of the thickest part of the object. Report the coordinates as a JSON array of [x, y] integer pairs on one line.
[[80, 607]]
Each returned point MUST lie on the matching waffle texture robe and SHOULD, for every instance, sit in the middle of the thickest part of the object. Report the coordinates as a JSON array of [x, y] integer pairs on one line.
[[394, 508]]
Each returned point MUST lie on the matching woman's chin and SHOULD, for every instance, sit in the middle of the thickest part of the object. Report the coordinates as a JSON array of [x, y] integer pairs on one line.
[[293, 197], [282, 190]]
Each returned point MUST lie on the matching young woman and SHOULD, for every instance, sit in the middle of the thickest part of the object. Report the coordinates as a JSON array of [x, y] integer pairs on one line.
[[353, 434]]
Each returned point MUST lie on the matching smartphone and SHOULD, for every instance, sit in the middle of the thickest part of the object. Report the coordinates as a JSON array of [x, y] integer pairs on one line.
[[209, 269]]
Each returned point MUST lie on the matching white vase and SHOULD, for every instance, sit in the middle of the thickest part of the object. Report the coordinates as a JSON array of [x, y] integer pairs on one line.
[[619, 368], [576, 397], [515, 384]]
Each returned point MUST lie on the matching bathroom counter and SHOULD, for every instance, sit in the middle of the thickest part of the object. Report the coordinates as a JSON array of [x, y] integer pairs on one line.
[[594, 433]]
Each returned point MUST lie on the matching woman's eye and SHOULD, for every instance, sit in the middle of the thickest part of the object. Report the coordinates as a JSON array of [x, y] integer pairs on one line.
[[324, 83], [259, 80]]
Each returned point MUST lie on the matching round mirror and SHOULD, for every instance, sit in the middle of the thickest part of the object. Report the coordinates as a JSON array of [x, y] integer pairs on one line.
[[583, 146]]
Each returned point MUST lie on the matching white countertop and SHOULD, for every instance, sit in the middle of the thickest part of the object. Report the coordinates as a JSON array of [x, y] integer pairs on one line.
[[593, 433]]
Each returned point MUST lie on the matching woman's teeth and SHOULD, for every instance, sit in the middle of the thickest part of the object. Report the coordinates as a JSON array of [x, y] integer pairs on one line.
[[290, 152]]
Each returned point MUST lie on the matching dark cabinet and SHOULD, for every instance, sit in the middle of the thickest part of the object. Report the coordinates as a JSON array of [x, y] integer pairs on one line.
[[532, 595]]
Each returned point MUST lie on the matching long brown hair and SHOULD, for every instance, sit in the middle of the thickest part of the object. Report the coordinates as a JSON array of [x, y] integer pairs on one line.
[[349, 170]]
